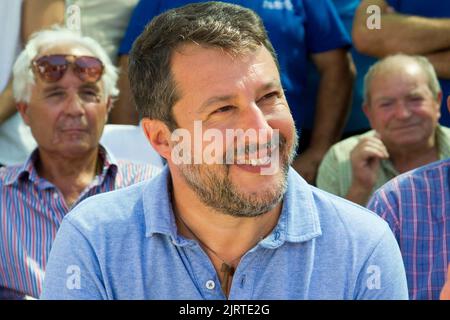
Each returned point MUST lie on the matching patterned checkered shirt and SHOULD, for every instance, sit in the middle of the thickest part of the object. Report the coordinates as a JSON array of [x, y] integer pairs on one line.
[[416, 205], [31, 211]]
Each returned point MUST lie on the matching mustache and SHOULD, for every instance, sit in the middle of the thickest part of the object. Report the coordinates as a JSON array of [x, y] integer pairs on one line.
[[72, 124], [266, 149]]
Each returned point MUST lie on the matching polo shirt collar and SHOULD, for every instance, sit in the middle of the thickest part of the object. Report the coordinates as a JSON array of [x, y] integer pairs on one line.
[[299, 220], [158, 212]]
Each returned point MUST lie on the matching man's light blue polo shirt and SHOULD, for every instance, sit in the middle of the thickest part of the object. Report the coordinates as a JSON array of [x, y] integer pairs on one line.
[[124, 245]]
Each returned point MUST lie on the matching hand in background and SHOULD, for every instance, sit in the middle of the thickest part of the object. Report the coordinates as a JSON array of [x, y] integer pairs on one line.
[[365, 159], [307, 164], [445, 293]]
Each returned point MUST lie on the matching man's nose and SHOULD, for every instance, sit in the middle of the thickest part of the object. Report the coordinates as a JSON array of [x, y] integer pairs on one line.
[[402, 110], [74, 105], [253, 118]]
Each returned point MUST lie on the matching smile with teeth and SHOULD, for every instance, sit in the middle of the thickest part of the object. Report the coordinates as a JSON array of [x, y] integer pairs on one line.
[[255, 162]]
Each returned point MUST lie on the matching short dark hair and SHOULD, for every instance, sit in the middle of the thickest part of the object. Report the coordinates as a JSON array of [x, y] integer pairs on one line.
[[213, 24]]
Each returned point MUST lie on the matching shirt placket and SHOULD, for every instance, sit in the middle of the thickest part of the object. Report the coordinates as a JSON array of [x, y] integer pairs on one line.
[[204, 273]]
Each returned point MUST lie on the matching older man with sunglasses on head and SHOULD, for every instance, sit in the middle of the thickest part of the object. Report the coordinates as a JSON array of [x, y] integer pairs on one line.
[[63, 84]]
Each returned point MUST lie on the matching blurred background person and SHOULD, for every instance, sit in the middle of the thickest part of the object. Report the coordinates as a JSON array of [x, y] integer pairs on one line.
[[414, 27], [402, 103], [64, 84], [416, 206]]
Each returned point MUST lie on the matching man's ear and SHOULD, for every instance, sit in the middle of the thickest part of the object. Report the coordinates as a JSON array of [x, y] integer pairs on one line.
[[109, 106], [22, 107], [367, 112], [438, 104], [448, 103], [158, 134], [439, 99]]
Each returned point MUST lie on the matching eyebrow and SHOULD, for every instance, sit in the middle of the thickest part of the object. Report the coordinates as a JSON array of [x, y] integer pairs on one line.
[[383, 99], [275, 84], [52, 88], [89, 85], [414, 92], [213, 100], [82, 86], [225, 98]]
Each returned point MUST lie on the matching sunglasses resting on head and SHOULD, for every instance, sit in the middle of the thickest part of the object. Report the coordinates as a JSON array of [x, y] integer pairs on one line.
[[51, 68]]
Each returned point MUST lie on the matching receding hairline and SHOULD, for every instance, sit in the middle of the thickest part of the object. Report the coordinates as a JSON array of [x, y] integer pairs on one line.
[[230, 27], [396, 64], [187, 48], [413, 68]]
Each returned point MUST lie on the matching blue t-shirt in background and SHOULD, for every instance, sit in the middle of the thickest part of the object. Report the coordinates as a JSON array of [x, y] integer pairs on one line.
[[346, 9], [296, 28], [357, 120], [429, 9]]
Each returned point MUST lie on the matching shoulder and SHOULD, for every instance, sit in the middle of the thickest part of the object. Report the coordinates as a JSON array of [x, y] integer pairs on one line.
[[131, 172], [422, 176], [344, 148], [445, 130], [9, 174], [344, 217], [109, 212], [443, 141], [430, 178], [342, 222], [118, 211], [135, 166]]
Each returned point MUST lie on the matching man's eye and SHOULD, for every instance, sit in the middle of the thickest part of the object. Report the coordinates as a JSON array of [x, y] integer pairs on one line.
[[89, 93], [385, 104], [223, 109], [271, 95], [55, 94]]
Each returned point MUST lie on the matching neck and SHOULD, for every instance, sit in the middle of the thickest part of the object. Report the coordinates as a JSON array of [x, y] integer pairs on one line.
[[228, 236], [70, 174], [224, 238], [406, 158]]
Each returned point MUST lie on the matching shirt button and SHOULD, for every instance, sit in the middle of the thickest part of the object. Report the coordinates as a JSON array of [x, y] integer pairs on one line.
[[210, 285], [55, 196]]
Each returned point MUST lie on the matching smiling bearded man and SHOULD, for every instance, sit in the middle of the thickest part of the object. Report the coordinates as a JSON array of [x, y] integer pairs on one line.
[[218, 231]]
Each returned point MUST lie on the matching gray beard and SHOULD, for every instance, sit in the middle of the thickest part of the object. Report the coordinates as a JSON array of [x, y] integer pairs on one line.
[[216, 190]]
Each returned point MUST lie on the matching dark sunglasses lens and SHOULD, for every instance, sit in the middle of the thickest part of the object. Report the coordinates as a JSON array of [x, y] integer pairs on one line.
[[51, 68], [89, 69]]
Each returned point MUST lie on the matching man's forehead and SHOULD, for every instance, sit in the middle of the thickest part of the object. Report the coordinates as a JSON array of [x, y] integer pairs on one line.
[[59, 85], [197, 54], [213, 68], [65, 48], [410, 78], [407, 72]]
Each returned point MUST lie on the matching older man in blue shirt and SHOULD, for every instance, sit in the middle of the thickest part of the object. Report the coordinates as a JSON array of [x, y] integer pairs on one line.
[[217, 225]]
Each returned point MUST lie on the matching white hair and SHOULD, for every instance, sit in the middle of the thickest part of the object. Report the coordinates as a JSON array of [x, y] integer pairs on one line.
[[24, 80]]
